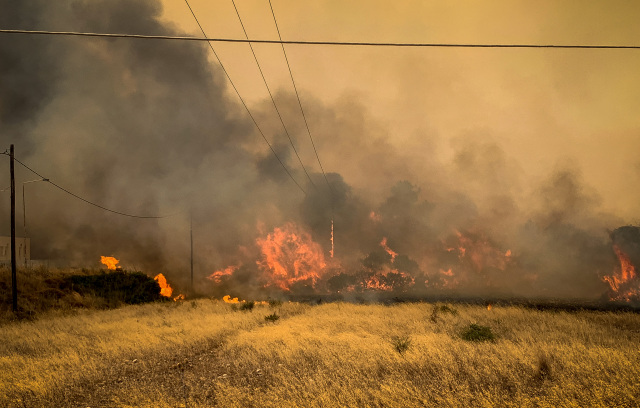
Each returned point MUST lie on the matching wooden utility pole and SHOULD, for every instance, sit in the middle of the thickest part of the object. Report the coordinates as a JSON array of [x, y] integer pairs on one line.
[[14, 282]]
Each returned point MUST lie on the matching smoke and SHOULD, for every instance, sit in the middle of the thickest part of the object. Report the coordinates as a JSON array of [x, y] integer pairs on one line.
[[151, 127]]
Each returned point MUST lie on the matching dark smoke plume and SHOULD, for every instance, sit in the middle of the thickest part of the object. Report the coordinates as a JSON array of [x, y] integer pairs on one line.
[[151, 127]]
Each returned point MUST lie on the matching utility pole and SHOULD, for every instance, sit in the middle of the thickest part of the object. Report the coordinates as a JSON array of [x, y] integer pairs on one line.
[[14, 282], [191, 238]]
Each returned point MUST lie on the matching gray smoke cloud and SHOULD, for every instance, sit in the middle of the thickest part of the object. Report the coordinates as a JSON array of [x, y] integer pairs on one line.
[[151, 127]]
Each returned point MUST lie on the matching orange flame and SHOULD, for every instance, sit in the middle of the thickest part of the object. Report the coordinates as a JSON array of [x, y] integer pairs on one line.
[[179, 297], [227, 299], [390, 251], [165, 289], [217, 276], [389, 280], [620, 280], [289, 255], [489, 306], [109, 261]]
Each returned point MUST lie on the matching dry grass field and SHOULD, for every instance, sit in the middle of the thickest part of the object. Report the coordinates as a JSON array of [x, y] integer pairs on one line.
[[204, 353]]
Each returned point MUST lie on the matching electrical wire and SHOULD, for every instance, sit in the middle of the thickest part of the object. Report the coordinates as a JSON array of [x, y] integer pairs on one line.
[[255, 57], [90, 202], [331, 43], [298, 97], [243, 102]]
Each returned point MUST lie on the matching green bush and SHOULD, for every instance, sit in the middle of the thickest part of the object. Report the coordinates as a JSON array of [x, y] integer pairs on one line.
[[475, 332]]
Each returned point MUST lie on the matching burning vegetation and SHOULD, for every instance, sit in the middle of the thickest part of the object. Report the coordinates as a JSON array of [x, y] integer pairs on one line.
[[290, 262]]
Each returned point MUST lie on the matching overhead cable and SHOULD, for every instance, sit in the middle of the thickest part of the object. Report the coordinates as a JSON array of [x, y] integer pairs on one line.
[[298, 97], [91, 202], [255, 57], [330, 43], [243, 102]]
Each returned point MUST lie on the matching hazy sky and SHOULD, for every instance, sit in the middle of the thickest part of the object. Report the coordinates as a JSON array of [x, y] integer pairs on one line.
[[545, 109]]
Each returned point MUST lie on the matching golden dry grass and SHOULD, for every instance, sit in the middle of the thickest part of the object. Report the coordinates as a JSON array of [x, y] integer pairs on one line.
[[202, 353]]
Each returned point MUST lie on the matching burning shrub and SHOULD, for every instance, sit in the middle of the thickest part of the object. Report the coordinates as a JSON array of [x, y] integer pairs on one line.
[[478, 333], [117, 287]]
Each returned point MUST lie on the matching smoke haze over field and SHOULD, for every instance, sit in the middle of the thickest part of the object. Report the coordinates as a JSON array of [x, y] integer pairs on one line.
[[476, 169]]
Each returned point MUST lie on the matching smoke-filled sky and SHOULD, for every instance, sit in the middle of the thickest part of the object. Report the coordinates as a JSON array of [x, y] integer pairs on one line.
[[544, 108], [534, 150]]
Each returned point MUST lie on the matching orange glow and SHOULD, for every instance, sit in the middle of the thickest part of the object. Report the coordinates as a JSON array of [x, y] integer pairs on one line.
[[388, 281], [375, 217], [390, 251], [228, 299], [622, 279], [217, 276], [109, 261], [289, 255], [179, 297], [165, 289], [489, 307]]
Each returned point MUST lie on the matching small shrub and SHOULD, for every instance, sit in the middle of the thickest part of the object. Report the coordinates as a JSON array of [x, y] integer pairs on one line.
[[447, 309], [248, 305], [401, 344], [543, 371], [271, 318], [475, 332], [275, 303], [437, 309]]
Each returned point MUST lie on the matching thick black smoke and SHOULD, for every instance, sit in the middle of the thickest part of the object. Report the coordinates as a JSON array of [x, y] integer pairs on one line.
[[151, 127]]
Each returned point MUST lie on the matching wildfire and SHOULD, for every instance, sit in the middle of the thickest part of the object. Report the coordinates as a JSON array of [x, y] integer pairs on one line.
[[217, 276], [228, 299], [388, 281], [622, 279], [110, 262], [390, 251], [489, 306], [481, 252], [165, 289], [289, 255]]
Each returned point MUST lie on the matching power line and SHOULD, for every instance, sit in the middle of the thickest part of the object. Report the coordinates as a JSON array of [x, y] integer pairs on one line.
[[90, 202], [298, 97], [329, 43], [271, 96], [242, 100]]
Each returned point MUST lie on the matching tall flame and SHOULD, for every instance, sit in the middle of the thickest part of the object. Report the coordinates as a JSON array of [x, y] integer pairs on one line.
[[622, 279], [289, 255], [109, 261], [165, 289], [390, 251]]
